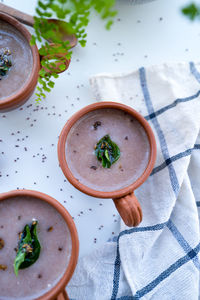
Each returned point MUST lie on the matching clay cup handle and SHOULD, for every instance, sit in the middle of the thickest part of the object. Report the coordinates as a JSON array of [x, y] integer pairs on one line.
[[19, 15], [129, 209], [62, 296]]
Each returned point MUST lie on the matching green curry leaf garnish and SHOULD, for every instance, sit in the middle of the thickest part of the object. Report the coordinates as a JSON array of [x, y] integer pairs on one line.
[[5, 62], [28, 248], [107, 152]]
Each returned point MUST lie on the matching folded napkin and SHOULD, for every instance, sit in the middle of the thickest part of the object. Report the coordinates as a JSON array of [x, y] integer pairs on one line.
[[159, 259]]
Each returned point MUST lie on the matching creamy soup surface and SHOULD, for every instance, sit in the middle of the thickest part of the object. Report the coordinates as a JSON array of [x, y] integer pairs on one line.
[[21, 58], [125, 131], [55, 240]]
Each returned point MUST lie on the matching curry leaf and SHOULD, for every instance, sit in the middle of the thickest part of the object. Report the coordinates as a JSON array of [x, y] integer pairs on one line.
[[28, 248], [107, 151], [5, 62]]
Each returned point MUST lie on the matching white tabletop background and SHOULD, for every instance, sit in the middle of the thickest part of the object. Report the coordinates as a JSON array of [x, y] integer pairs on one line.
[[142, 35]]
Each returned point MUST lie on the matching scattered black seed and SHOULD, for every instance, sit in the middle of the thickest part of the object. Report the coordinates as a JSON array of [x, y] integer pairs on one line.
[[126, 138], [77, 134], [93, 168], [50, 229], [96, 125], [19, 217], [74, 151], [131, 120], [15, 249], [60, 249], [2, 226], [39, 276]]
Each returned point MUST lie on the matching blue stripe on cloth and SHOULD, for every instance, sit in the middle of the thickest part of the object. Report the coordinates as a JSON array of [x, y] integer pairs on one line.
[[174, 158], [194, 71], [116, 274], [163, 144], [180, 262], [182, 242], [142, 229], [126, 298], [173, 104], [118, 261], [198, 203]]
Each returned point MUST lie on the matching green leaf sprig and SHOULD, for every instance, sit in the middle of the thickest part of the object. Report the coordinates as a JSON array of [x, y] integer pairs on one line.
[[5, 62], [28, 248], [192, 11], [77, 15], [107, 152]]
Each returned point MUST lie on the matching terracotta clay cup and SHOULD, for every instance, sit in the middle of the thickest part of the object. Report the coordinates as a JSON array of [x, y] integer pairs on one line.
[[124, 199], [58, 291], [24, 93]]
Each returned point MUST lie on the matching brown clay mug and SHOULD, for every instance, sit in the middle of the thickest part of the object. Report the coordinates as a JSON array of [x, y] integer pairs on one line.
[[24, 93], [124, 199], [58, 291]]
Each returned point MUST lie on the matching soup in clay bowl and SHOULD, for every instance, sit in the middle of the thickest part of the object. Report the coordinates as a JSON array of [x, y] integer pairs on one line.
[[107, 150], [22, 63], [38, 247]]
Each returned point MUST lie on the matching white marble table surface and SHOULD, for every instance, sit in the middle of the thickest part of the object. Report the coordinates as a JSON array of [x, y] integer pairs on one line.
[[142, 35]]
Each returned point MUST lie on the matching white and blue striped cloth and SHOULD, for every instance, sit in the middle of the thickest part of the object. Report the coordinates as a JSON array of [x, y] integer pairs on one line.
[[160, 258]]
